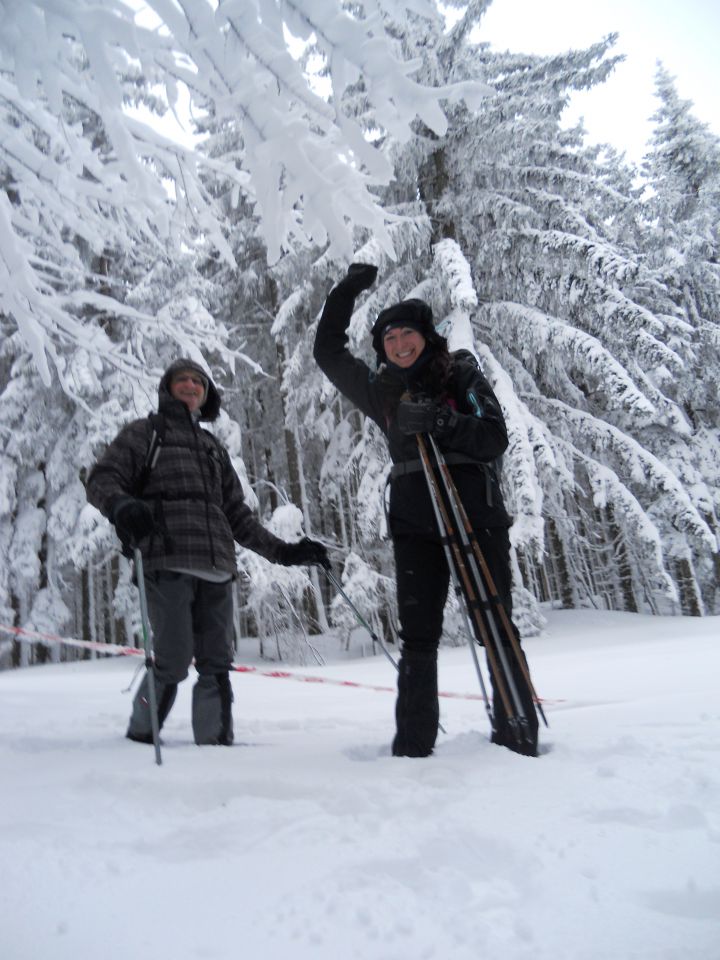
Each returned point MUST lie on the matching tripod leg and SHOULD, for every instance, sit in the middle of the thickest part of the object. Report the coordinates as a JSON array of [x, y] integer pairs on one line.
[[512, 707], [501, 627], [462, 581], [503, 734]]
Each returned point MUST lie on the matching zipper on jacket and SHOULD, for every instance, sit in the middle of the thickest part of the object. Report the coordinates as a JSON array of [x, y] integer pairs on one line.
[[199, 456]]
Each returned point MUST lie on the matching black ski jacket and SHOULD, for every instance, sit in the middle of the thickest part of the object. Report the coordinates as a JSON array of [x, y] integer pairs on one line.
[[477, 434]]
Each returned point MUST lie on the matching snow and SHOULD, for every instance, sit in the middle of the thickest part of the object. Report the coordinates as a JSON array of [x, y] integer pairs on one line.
[[307, 840]]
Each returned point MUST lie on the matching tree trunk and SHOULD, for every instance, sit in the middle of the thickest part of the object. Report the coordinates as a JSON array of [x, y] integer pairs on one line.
[[558, 566], [624, 567], [691, 603]]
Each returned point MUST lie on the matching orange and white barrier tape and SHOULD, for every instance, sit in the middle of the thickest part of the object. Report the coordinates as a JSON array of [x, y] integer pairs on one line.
[[36, 636], [303, 678]]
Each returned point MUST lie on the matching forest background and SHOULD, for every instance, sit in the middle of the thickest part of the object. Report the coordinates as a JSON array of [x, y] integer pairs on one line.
[[587, 286]]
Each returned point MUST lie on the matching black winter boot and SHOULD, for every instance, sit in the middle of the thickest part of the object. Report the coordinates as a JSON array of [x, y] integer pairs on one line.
[[140, 726], [212, 699], [416, 710]]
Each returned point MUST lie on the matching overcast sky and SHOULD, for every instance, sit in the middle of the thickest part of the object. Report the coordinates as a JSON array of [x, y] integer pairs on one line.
[[683, 34]]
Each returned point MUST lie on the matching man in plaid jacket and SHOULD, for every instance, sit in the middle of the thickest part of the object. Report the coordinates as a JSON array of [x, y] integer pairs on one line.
[[185, 514]]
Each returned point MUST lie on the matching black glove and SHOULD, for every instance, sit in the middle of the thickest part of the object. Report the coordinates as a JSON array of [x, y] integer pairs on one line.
[[133, 520], [304, 552], [425, 416], [359, 277]]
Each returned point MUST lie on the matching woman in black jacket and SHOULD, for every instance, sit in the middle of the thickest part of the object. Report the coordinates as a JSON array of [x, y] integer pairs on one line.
[[421, 388]]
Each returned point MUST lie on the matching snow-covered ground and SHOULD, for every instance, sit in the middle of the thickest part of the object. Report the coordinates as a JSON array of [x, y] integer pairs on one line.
[[307, 840]]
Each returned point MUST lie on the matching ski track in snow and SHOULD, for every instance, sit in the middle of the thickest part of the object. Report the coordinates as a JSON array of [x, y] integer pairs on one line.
[[308, 840]]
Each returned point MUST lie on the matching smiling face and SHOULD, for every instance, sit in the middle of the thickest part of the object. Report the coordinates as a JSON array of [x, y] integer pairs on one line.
[[188, 387], [403, 345]]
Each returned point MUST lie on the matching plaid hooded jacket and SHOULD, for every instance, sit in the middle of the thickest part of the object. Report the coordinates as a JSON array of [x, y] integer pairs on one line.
[[193, 490]]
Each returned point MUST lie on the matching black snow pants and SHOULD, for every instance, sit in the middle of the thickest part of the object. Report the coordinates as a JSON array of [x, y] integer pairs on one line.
[[422, 584], [190, 617]]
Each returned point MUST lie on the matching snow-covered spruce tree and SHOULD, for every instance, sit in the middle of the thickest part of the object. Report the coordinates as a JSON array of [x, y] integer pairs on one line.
[[54, 273], [51, 435], [84, 341], [580, 363], [285, 428], [680, 246], [532, 258], [82, 199]]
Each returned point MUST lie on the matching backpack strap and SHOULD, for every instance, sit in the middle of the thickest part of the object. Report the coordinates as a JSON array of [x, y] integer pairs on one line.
[[492, 468], [157, 438]]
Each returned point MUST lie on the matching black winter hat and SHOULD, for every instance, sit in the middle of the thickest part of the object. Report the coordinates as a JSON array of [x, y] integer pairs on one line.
[[412, 313]]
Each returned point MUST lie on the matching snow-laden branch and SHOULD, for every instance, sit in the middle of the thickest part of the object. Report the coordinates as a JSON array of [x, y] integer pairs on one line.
[[455, 276], [541, 338], [641, 468], [608, 489], [71, 150], [455, 269], [237, 61], [519, 466]]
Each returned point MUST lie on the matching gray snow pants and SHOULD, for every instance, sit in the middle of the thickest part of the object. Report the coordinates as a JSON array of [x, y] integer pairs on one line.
[[190, 617]]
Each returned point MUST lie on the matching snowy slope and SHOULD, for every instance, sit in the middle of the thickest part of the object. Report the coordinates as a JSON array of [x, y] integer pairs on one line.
[[307, 840]]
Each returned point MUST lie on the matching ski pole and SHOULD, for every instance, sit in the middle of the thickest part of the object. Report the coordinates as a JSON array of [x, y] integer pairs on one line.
[[483, 611], [440, 518], [149, 658], [359, 617], [485, 581], [363, 623], [497, 661]]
